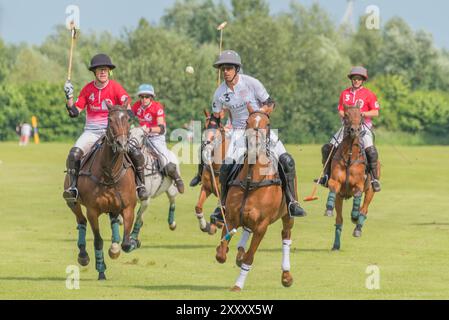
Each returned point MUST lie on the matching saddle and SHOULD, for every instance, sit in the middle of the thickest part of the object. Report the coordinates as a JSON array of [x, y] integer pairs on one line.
[[152, 163]]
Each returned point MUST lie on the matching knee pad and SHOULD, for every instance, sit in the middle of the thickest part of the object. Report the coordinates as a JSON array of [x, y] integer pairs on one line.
[[372, 154], [170, 169], [74, 158]]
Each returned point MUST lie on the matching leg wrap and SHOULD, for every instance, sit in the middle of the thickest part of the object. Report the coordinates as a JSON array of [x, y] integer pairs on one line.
[[81, 236], [115, 227], [338, 229], [356, 207], [330, 205]]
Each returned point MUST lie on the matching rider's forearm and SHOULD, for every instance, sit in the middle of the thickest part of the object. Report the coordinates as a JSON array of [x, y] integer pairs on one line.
[[371, 114]]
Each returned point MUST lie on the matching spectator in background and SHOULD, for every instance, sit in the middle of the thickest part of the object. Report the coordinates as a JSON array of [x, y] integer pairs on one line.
[[25, 134]]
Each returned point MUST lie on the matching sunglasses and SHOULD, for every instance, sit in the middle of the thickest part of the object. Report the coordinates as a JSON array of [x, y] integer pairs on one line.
[[145, 97], [357, 78]]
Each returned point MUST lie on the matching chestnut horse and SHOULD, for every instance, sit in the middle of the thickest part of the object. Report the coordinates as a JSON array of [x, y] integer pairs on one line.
[[349, 177], [255, 200], [106, 184], [221, 143]]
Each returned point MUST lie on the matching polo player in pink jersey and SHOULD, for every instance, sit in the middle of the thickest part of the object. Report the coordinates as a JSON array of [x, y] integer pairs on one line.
[[94, 98], [357, 94]]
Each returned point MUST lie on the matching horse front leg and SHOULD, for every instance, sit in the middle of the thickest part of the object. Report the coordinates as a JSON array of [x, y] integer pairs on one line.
[[338, 223], [204, 225], [287, 222], [128, 243], [248, 258], [241, 246], [369, 194], [114, 250], [92, 215]]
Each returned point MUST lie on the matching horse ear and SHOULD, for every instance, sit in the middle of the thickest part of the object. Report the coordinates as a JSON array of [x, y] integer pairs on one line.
[[109, 105], [249, 107], [359, 104], [206, 113]]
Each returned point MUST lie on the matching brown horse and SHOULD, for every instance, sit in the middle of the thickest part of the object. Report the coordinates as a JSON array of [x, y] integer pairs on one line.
[[255, 200], [106, 184], [349, 177], [221, 143]]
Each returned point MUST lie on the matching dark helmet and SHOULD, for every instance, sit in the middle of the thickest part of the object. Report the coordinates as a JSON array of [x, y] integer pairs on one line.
[[101, 60], [358, 71], [228, 57]]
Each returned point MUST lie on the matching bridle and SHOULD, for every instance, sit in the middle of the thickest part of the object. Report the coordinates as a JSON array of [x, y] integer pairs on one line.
[[111, 138], [268, 134]]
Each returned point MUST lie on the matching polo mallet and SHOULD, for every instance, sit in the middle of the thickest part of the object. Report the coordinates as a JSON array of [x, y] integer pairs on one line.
[[229, 234], [221, 28], [73, 34], [312, 197]]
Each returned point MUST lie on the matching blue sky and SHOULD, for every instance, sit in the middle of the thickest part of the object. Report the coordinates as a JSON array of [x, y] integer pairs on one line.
[[31, 21]]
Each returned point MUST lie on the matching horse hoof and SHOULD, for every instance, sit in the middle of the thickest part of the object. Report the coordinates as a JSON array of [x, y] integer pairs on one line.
[[354, 220], [212, 229], [83, 260], [336, 249], [172, 226], [287, 279], [239, 258], [114, 251], [220, 259], [329, 213], [236, 289], [357, 233], [101, 276]]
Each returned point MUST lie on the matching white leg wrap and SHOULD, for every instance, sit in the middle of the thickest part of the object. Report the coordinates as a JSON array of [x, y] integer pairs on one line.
[[243, 274], [244, 239], [286, 244], [201, 220]]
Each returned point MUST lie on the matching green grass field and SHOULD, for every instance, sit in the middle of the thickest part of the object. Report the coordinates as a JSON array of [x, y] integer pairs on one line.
[[406, 236]]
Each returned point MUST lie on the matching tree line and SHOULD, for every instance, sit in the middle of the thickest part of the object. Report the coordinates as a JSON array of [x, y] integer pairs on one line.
[[300, 55]]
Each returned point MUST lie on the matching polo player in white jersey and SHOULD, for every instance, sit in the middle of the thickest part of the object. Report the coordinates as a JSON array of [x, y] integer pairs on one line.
[[234, 94]]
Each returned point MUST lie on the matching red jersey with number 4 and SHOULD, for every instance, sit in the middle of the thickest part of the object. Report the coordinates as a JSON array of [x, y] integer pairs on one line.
[[365, 97], [94, 101], [148, 115]]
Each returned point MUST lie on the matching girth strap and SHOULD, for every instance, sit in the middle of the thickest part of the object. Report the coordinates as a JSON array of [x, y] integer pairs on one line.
[[255, 185]]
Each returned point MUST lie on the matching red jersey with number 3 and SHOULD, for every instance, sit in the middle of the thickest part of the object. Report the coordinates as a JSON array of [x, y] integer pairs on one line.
[[94, 101], [148, 115], [368, 100]]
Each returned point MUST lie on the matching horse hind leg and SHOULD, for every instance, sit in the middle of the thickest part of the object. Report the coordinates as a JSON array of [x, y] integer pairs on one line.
[[138, 224], [171, 213], [128, 244], [114, 250], [287, 278]]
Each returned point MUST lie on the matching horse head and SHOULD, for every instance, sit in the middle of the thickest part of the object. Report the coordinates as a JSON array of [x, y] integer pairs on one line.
[[352, 120], [257, 131], [117, 133]]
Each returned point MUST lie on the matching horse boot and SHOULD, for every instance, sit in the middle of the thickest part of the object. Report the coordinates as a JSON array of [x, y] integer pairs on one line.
[[326, 154], [372, 157], [288, 175], [172, 172], [73, 168], [225, 170], [138, 161]]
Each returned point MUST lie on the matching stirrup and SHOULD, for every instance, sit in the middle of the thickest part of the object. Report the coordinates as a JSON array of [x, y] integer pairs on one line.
[[324, 181], [217, 216], [293, 206], [71, 195], [376, 185], [142, 193], [195, 181]]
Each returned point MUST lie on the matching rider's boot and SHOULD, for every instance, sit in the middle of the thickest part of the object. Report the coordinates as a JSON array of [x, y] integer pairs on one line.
[[197, 179], [138, 160], [172, 172], [372, 157], [288, 175], [73, 167], [225, 170]]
